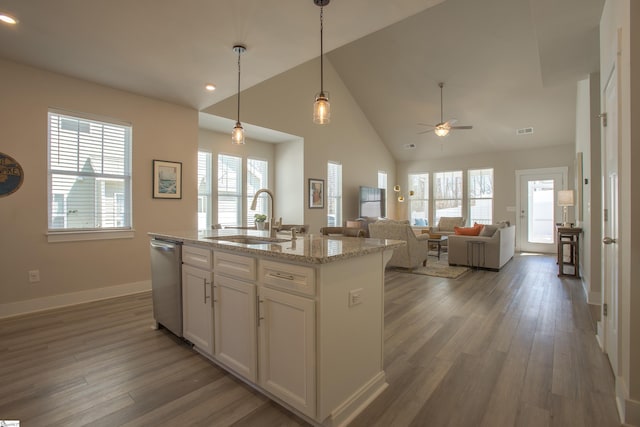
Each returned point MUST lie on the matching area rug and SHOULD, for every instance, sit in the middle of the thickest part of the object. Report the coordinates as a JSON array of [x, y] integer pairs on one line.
[[439, 268]]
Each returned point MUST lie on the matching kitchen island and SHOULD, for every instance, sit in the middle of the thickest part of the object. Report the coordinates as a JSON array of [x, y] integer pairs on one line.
[[299, 320]]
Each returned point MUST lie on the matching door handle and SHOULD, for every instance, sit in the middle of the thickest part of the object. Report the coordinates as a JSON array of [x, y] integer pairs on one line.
[[609, 240]]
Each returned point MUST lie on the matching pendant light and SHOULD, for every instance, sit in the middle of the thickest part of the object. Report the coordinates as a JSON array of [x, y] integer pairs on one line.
[[321, 106], [237, 136]]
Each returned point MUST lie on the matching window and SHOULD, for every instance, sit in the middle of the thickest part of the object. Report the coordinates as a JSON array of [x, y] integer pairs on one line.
[[229, 190], [419, 202], [334, 194], [204, 190], [89, 176], [480, 196], [447, 194], [382, 183], [257, 178]]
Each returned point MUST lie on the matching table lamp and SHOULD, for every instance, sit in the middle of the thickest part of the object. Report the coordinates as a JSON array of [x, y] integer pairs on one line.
[[565, 199]]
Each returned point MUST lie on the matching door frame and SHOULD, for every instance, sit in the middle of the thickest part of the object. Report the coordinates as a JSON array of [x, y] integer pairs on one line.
[[562, 170]]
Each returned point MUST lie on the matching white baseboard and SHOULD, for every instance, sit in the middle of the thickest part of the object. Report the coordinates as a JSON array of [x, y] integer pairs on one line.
[[57, 301]]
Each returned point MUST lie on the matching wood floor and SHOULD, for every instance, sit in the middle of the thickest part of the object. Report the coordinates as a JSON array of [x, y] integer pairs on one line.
[[514, 348]]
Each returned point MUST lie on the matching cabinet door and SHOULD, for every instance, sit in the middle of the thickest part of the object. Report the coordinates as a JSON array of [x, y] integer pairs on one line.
[[197, 308], [287, 367], [234, 303]]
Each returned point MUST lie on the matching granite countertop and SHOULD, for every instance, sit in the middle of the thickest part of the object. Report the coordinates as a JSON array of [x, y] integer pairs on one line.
[[307, 248]]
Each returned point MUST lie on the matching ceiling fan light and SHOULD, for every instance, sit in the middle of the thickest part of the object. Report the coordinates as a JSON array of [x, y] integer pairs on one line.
[[441, 131], [322, 109]]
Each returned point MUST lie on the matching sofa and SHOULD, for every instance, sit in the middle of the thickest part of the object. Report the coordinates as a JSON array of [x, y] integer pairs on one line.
[[483, 251], [413, 254], [446, 225]]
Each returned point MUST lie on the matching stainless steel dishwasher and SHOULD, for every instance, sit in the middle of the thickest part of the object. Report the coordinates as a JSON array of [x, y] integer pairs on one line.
[[166, 284]]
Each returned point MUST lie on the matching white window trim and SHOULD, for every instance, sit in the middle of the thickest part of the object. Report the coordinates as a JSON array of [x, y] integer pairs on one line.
[[80, 236], [55, 236]]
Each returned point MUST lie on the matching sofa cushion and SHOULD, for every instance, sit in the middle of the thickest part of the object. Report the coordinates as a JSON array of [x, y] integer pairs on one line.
[[447, 223]]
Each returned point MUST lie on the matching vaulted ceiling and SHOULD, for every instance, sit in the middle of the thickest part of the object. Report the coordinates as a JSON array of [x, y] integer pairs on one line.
[[506, 64]]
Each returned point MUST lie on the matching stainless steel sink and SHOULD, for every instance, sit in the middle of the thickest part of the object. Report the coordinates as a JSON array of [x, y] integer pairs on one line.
[[248, 240]]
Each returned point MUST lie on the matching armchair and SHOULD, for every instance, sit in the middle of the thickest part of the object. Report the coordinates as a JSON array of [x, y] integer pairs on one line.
[[413, 254]]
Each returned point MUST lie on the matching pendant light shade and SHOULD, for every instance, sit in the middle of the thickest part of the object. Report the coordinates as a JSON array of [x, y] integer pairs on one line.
[[321, 106], [322, 109], [237, 136]]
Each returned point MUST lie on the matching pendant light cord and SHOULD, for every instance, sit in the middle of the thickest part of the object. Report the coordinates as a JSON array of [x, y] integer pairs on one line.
[[239, 52], [441, 108], [321, 53]]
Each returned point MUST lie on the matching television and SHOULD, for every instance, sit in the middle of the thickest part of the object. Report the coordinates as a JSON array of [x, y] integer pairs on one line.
[[373, 202]]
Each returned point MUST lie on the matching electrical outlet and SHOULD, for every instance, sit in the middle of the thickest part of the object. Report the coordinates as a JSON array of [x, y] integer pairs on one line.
[[34, 276], [355, 297]]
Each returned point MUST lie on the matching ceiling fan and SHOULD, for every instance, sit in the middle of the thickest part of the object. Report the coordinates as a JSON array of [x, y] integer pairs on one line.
[[443, 128]]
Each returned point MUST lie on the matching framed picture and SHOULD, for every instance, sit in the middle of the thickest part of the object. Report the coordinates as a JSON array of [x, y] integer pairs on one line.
[[167, 180], [316, 193]]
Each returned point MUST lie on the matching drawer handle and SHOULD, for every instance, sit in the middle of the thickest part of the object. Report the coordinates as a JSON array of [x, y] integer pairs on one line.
[[279, 275]]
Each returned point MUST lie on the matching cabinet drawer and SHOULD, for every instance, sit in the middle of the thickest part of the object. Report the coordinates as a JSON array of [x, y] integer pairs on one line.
[[288, 277], [238, 266], [196, 256]]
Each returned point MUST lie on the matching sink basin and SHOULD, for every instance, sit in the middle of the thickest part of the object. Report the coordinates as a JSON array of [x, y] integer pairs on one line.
[[249, 240]]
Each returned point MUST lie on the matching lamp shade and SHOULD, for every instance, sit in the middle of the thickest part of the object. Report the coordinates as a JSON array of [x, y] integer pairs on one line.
[[565, 198]]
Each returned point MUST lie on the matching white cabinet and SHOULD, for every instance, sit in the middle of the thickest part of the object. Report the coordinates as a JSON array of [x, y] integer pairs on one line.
[[287, 348], [235, 325], [197, 309]]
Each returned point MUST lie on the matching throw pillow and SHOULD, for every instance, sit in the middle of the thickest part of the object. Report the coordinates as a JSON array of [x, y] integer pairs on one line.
[[420, 222], [467, 231], [489, 230]]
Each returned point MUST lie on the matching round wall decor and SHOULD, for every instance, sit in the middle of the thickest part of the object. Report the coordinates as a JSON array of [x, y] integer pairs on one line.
[[11, 175]]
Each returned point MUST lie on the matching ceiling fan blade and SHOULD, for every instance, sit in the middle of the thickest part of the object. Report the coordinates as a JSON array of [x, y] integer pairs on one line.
[[425, 131], [424, 124], [461, 127], [451, 121]]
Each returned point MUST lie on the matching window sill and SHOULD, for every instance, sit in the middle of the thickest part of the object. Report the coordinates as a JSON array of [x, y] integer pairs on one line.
[[78, 236]]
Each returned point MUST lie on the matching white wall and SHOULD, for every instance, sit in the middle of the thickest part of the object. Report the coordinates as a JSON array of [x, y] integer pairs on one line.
[[285, 103], [76, 271], [290, 187], [618, 15], [504, 166]]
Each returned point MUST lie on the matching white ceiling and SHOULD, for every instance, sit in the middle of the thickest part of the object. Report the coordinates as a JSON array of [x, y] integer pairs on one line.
[[506, 63]]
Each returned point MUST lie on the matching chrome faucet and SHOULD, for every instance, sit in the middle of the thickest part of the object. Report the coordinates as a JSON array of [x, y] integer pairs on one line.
[[272, 225]]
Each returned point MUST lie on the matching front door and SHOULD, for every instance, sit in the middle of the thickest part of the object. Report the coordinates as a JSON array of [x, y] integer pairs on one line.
[[610, 254], [537, 208]]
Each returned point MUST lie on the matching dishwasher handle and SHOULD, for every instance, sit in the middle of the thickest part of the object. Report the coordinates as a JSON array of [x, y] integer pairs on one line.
[[163, 246]]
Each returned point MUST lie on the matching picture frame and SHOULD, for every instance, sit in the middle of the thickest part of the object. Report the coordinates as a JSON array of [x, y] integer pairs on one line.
[[167, 179], [316, 193]]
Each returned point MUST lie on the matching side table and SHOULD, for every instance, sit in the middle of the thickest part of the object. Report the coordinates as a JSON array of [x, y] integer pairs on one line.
[[475, 247], [569, 236]]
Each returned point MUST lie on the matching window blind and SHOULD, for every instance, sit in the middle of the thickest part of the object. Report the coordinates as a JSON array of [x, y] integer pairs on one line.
[[229, 190], [334, 194], [204, 190], [89, 174], [257, 178]]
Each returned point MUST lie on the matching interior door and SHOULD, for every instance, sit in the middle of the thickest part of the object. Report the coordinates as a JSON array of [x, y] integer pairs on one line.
[[537, 208], [610, 267]]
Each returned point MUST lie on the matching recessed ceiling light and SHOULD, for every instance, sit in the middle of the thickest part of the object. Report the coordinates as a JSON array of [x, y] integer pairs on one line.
[[8, 19], [409, 146], [210, 87]]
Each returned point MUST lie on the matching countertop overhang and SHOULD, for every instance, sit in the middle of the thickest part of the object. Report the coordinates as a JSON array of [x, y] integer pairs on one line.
[[307, 248]]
